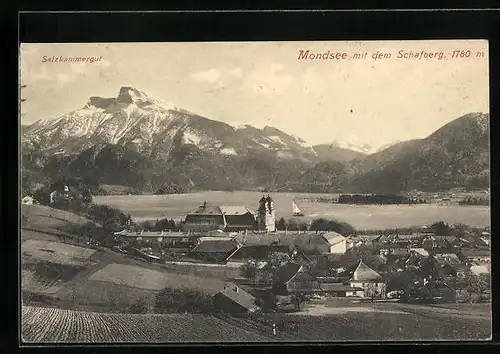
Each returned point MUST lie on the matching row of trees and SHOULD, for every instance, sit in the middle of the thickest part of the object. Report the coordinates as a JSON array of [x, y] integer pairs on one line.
[[158, 225], [377, 199], [320, 224], [474, 201]]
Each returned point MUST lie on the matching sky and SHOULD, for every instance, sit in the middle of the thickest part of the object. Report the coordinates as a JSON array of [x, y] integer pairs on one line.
[[372, 101]]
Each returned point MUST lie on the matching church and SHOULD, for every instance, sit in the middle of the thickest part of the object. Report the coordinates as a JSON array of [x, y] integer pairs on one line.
[[232, 218]]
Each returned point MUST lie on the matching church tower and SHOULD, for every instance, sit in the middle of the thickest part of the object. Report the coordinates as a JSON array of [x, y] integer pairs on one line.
[[266, 219]]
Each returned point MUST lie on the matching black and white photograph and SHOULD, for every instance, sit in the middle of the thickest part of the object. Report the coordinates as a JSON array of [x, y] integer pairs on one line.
[[255, 192]]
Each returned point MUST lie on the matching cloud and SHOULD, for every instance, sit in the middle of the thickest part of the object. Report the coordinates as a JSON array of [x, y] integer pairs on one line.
[[236, 72], [268, 81], [211, 75], [82, 68], [65, 78], [38, 76]]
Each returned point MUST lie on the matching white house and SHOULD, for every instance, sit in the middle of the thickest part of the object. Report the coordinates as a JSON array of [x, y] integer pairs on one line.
[[369, 280], [337, 242]]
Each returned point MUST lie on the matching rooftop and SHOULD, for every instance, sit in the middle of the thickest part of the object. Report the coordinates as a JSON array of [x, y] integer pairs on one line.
[[475, 253], [217, 246], [338, 287], [235, 210], [333, 238], [420, 251], [363, 272], [447, 258], [239, 296], [164, 234], [287, 272], [258, 252], [207, 210]]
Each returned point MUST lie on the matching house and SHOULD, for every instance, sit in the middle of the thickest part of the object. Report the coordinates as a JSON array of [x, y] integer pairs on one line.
[[256, 253], [215, 250], [394, 251], [369, 280], [228, 218], [294, 278], [480, 269], [419, 252], [337, 242], [338, 289], [306, 242], [433, 292], [446, 259], [165, 238], [472, 255], [453, 270], [239, 218], [233, 299], [204, 218]]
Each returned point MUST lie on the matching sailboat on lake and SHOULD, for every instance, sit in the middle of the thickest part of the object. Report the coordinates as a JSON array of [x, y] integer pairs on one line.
[[296, 210]]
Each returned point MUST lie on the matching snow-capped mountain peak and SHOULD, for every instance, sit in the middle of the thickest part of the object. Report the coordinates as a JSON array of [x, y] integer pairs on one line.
[[150, 126], [354, 145]]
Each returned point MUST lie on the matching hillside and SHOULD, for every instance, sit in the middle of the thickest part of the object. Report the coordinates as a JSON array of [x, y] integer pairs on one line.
[[456, 155]]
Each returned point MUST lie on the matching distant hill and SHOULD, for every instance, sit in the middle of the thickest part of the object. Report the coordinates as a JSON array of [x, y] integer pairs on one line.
[[456, 155]]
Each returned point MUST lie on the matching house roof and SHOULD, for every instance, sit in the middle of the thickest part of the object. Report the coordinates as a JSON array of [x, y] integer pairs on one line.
[[286, 272], [338, 287], [217, 246], [241, 297], [480, 269], [420, 251], [447, 258], [258, 252], [333, 238], [207, 210], [152, 234], [363, 272], [233, 210], [475, 253], [460, 267], [289, 238]]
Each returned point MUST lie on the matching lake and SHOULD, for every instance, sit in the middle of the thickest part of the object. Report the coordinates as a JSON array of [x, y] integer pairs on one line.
[[362, 217]]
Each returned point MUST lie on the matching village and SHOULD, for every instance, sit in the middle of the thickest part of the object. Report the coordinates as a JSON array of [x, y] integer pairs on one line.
[[297, 267]]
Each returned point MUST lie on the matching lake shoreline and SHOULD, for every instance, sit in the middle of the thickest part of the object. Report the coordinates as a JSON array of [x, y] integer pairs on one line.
[[361, 217]]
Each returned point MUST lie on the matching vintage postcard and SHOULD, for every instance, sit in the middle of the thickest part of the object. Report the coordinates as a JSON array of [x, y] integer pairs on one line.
[[255, 192]]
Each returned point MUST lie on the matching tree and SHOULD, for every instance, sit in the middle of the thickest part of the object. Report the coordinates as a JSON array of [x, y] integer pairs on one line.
[[373, 291], [170, 300], [249, 269], [440, 228], [139, 306], [281, 224], [472, 284], [332, 225]]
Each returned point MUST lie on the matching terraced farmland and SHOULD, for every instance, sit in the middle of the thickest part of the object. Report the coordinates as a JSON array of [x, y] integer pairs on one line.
[[53, 325]]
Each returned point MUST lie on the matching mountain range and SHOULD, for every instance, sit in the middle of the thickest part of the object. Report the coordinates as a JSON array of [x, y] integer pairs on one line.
[[145, 143]]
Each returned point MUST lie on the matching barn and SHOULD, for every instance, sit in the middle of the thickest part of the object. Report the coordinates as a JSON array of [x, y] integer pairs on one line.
[[234, 300], [294, 278]]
